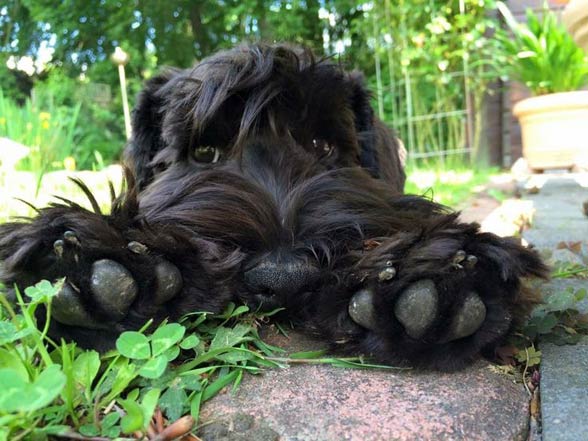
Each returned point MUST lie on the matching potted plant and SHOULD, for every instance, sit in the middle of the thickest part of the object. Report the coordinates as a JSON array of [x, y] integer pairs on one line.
[[575, 17], [542, 55]]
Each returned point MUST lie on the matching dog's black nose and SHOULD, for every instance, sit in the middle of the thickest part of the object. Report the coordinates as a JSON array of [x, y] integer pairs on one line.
[[281, 276]]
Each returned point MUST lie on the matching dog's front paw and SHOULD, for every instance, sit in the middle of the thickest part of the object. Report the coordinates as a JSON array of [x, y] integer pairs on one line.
[[435, 304], [111, 283], [99, 292], [418, 308]]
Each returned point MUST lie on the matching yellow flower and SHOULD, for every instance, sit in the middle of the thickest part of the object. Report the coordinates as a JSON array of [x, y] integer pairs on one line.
[[44, 116], [69, 163], [45, 124], [2, 121]]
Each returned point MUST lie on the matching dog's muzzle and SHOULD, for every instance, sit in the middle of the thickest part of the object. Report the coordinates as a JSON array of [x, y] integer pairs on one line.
[[278, 275]]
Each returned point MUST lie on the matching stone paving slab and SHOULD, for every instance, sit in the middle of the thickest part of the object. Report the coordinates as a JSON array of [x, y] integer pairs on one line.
[[324, 403], [564, 378], [564, 392], [558, 216], [564, 369]]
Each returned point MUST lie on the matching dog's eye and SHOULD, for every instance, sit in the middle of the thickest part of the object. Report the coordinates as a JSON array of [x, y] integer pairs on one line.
[[206, 154], [322, 147]]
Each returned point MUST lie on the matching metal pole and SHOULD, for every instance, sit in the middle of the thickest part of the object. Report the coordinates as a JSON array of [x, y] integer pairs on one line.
[[125, 101], [120, 58]]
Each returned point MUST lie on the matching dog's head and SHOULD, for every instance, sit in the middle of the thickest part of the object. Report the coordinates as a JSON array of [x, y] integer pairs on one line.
[[270, 152], [203, 116]]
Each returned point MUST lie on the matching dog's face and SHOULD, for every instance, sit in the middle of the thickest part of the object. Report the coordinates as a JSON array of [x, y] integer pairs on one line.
[[280, 155]]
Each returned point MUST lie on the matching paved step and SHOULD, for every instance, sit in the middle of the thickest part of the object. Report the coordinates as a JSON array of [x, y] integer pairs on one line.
[[324, 403], [564, 377], [564, 369], [558, 216], [564, 391]]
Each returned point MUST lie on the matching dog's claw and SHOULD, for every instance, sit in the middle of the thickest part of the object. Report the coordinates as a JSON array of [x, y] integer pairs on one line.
[[471, 261], [387, 274], [417, 307], [114, 287], [69, 310], [468, 319], [361, 309], [169, 282], [137, 247], [71, 238], [459, 257], [58, 247]]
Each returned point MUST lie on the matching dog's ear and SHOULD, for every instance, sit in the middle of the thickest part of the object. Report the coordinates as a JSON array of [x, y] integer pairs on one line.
[[381, 152], [146, 140]]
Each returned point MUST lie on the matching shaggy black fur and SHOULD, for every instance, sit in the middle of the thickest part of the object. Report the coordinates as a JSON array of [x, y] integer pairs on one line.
[[303, 209]]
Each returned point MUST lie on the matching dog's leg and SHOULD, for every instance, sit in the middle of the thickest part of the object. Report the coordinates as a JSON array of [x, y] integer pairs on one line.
[[435, 296], [117, 274]]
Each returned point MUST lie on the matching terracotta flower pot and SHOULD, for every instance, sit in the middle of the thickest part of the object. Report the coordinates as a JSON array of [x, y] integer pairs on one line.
[[554, 129], [575, 17]]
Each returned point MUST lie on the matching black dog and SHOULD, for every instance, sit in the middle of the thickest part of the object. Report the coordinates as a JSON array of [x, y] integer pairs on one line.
[[262, 176]]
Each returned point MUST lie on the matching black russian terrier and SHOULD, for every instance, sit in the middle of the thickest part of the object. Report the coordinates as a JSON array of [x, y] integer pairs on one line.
[[262, 176]]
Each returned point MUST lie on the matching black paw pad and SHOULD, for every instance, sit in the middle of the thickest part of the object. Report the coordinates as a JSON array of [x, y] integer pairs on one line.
[[468, 319], [417, 307], [68, 309], [114, 287], [361, 309], [169, 282]]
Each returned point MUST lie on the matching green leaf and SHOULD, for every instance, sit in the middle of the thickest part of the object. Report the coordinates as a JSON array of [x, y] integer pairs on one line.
[[172, 402], [47, 386], [19, 395], [240, 310], [195, 406], [149, 403], [216, 386], [133, 395], [85, 368], [191, 382], [111, 432], [9, 333], [10, 359], [154, 368], [166, 336], [133, 345], [546, 324], [190, 342], [172, 353], [134, 419], [118, 379], [309, 354], [229, 337], [561, 301], [89, 430], [43, 291], [233, 357], [109, 420], [13, 389]]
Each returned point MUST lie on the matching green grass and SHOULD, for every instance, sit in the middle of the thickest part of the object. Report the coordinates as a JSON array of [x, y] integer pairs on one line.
[[55, 388], [47, 129], [448, 187]]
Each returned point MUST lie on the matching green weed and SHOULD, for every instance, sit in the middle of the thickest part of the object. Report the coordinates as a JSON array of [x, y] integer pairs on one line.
[[56, 388]]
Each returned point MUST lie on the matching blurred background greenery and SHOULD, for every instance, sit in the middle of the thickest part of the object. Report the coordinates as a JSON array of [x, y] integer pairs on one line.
[[434, 67]]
